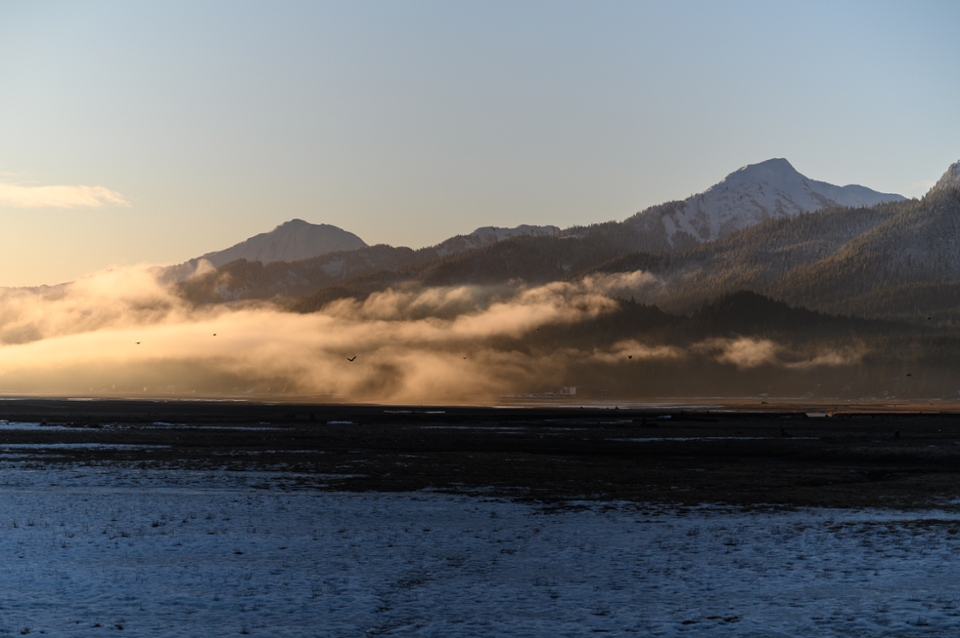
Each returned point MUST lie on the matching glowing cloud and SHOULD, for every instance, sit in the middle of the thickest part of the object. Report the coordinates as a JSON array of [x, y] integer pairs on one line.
[[125, 331], [21, 196], [746, 353]]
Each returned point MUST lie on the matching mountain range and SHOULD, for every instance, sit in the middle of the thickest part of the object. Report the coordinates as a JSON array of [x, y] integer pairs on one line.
[[765, 228], [769, 190], [766, 283]]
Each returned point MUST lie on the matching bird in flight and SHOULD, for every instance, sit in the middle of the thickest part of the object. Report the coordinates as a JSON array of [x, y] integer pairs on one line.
[[629, 356], [909, 375], [214, 334], [351, 358], [138, 343]]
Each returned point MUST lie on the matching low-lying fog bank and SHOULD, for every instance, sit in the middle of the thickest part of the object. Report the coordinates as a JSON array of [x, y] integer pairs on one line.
[[127, 333]]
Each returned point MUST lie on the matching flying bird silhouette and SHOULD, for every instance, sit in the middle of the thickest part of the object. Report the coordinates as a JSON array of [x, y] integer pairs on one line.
[[909, 375], [351, 358], [629, 356], [214, 334], [138, 343]]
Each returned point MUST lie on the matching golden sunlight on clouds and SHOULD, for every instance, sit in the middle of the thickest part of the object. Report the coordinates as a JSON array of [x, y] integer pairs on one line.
[[122, 330], [125, 332], [21, 196]]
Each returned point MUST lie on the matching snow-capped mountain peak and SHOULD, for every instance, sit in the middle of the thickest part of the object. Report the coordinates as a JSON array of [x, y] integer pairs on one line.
[[749, 195]]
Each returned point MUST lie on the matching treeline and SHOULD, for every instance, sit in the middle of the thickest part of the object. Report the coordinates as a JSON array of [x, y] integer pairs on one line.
[[895, 260]]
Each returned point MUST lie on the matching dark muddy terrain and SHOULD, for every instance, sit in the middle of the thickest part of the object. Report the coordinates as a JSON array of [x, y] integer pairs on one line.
[[683, 457]]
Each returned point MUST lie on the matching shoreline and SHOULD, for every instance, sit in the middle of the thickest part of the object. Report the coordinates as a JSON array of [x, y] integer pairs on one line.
[[776, 457]]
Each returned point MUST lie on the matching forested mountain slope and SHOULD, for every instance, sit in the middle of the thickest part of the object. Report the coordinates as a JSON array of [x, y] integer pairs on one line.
[[895, 260], [242, 279], [753, 194]]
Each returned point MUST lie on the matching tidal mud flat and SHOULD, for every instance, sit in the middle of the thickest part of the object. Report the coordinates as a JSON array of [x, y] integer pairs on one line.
[[785, 457], [279, 520]]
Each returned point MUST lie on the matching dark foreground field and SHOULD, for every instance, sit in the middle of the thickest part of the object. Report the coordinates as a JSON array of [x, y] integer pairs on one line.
[[779, 457]]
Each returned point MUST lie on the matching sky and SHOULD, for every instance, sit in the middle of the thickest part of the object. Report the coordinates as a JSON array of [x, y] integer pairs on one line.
[[153, 132]]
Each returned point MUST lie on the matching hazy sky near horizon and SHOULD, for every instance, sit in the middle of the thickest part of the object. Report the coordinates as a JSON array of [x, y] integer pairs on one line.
[[152, 132]]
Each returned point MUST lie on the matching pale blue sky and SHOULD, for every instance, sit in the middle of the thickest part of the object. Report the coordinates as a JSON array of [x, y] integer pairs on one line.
[[409, 122]]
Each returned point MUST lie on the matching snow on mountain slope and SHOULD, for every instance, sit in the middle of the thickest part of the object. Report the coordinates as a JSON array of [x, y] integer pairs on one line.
[[752, 194], [292, 240], [950, 179], [491, 235]]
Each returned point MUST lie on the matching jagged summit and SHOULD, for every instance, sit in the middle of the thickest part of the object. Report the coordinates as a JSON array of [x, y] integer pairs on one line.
[[950, 179], [749, 195], [292, 240]]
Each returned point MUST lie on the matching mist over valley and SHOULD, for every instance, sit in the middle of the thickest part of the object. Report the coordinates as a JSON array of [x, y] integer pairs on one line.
[[766, 284]]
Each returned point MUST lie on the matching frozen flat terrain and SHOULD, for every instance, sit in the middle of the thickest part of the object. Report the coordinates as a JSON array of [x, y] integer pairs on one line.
[[88, 550]]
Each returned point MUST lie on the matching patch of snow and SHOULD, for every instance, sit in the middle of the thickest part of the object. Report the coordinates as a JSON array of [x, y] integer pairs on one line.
[[78, 446], [670, 226], [22, 425]]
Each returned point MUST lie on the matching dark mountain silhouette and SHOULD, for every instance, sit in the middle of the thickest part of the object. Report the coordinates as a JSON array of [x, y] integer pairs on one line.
[[242, 279], [290, 241]]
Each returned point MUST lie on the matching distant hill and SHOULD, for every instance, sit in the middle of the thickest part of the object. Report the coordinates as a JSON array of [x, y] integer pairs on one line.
[[290, 241], [367, 266], [242, 279], [488, 235]]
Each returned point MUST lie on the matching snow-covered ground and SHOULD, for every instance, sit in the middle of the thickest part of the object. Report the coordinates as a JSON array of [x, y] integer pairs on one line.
[[88, 550]]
